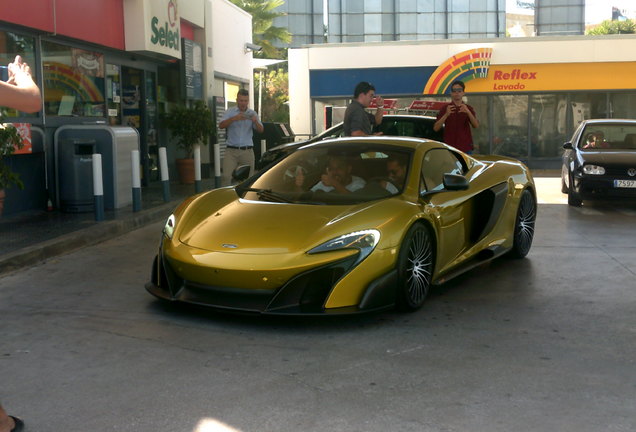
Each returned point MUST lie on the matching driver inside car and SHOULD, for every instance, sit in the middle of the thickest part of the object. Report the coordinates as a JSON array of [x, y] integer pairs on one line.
[[337, 178], [596, 140]]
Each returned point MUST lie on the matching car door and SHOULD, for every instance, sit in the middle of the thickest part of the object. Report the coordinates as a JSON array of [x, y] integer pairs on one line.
[[450, 210], [569, 157]]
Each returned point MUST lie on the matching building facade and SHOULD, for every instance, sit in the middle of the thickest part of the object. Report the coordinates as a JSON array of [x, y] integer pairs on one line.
[[119, 63], [334, 21], [392, 20], [559, 17]]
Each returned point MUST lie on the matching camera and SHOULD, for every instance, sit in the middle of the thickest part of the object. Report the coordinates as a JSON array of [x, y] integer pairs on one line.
[[252, 47]]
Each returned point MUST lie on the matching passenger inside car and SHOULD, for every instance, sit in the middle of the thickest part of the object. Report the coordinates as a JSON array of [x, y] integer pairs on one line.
[[396, 174]]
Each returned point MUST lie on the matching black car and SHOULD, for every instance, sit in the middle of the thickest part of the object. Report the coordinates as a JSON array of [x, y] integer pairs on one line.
[[600, 161], [392, 125]]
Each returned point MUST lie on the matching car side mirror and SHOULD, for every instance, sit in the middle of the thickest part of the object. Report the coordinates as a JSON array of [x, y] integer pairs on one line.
[[241, 173], [567, 146], [454, 182]]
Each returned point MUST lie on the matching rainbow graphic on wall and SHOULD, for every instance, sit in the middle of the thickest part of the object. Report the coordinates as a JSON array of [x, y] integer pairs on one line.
[[465, 66], [72, 81]]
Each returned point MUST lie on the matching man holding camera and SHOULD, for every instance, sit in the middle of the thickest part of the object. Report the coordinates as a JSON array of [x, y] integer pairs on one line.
[[240, 122]]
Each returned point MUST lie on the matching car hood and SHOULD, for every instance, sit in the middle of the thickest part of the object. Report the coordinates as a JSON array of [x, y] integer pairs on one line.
[[608, 157], [216, 223]]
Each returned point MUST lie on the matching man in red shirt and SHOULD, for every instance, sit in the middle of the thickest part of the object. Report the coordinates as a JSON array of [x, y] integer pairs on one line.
[[457, 119]]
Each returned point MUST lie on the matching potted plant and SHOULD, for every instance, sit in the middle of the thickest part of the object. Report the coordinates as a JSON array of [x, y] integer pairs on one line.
[[189, 126], [10, 139]]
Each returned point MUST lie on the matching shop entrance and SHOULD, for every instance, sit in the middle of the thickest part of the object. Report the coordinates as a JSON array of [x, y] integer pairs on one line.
[[139, 110]]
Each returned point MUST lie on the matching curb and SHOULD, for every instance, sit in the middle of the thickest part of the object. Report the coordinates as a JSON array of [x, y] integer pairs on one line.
[[92, 235]]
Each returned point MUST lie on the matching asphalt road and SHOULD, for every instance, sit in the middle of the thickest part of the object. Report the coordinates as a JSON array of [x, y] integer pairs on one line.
[[547, 343]]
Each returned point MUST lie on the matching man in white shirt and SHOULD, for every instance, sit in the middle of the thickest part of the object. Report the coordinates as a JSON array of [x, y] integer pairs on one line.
[[240, 122], [338, 177]]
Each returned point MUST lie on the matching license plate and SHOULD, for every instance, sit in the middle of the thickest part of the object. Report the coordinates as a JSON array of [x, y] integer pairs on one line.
[[625, 183]]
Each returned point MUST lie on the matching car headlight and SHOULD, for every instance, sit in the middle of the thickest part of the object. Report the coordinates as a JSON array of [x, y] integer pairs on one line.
[[593, 170], [168, 228], [364, 241]]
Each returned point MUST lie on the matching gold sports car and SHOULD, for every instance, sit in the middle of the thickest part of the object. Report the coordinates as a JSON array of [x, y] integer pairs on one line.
[[345, 226]]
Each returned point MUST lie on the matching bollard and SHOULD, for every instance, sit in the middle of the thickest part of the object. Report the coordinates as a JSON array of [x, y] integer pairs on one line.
[[217, 165], [98, 187], [136, 181], [197, 168], [165, 179]]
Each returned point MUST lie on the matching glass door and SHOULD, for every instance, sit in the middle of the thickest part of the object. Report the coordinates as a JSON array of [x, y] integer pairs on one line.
[[139, 110]]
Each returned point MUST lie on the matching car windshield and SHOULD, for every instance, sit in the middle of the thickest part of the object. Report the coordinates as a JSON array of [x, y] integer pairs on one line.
[[333, 175], [608, 136]]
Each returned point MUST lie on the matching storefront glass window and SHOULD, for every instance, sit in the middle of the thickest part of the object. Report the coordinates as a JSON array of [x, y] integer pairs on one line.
[[587, 106], [548, 118], [73, 81], [113, 93], [481, 134], [12, 44], [510, 126], [623, 105]]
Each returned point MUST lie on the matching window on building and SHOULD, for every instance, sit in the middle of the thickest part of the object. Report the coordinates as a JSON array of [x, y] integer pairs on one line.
[[113, 93], [73, 81], [480, 135], [510, 126], [548, 125], [12, 44], [623, 105]]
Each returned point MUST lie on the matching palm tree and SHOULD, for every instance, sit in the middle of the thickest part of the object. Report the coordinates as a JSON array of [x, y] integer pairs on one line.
[[264, 33]]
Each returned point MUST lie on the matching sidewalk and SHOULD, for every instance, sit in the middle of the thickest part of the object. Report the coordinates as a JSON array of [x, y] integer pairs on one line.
[[31, 237]]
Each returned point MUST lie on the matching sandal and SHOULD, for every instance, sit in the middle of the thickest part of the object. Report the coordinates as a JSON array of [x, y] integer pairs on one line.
[[19, 424]]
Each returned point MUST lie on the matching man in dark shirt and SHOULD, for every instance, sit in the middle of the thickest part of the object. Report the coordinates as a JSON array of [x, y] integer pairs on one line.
[[357, 121], [457, 119]]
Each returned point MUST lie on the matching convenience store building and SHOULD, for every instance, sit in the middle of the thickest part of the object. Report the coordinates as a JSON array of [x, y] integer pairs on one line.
[[118, 64]]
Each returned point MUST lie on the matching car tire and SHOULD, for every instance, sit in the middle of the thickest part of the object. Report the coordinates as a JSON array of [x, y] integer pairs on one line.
[[524, 225], [415, 268], [574, 199], [564, 186]]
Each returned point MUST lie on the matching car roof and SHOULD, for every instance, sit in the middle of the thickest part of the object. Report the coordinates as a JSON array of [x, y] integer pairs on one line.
[[407, 142], [608, 121]]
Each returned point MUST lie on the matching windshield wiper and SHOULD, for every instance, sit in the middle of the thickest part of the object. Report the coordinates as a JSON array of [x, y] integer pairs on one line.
[[269, 195]]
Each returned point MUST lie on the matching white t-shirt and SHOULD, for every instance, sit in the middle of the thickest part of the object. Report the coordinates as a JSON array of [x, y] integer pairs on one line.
[[356, 183]]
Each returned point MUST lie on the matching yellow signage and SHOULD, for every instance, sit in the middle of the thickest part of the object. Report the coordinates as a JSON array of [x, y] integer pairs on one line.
[[555, 77]]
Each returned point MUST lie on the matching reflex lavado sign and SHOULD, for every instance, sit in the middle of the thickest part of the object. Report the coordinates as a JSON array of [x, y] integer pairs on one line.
[[153, 25]]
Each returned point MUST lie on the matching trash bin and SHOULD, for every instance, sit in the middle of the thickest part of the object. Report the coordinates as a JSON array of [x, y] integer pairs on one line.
[[75, 175], [115, 144]]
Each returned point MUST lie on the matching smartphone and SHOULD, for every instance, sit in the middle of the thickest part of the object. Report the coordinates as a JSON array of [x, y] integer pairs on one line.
[[4, 73]]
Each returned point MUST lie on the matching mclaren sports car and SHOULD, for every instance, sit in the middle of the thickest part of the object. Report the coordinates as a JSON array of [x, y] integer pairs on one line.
[[345, 226]]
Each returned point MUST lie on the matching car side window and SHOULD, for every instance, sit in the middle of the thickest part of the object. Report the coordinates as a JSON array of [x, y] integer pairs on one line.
[[435, 164]]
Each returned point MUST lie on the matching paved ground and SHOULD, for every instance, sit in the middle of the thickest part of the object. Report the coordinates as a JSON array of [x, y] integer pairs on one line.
[[543, 344]]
